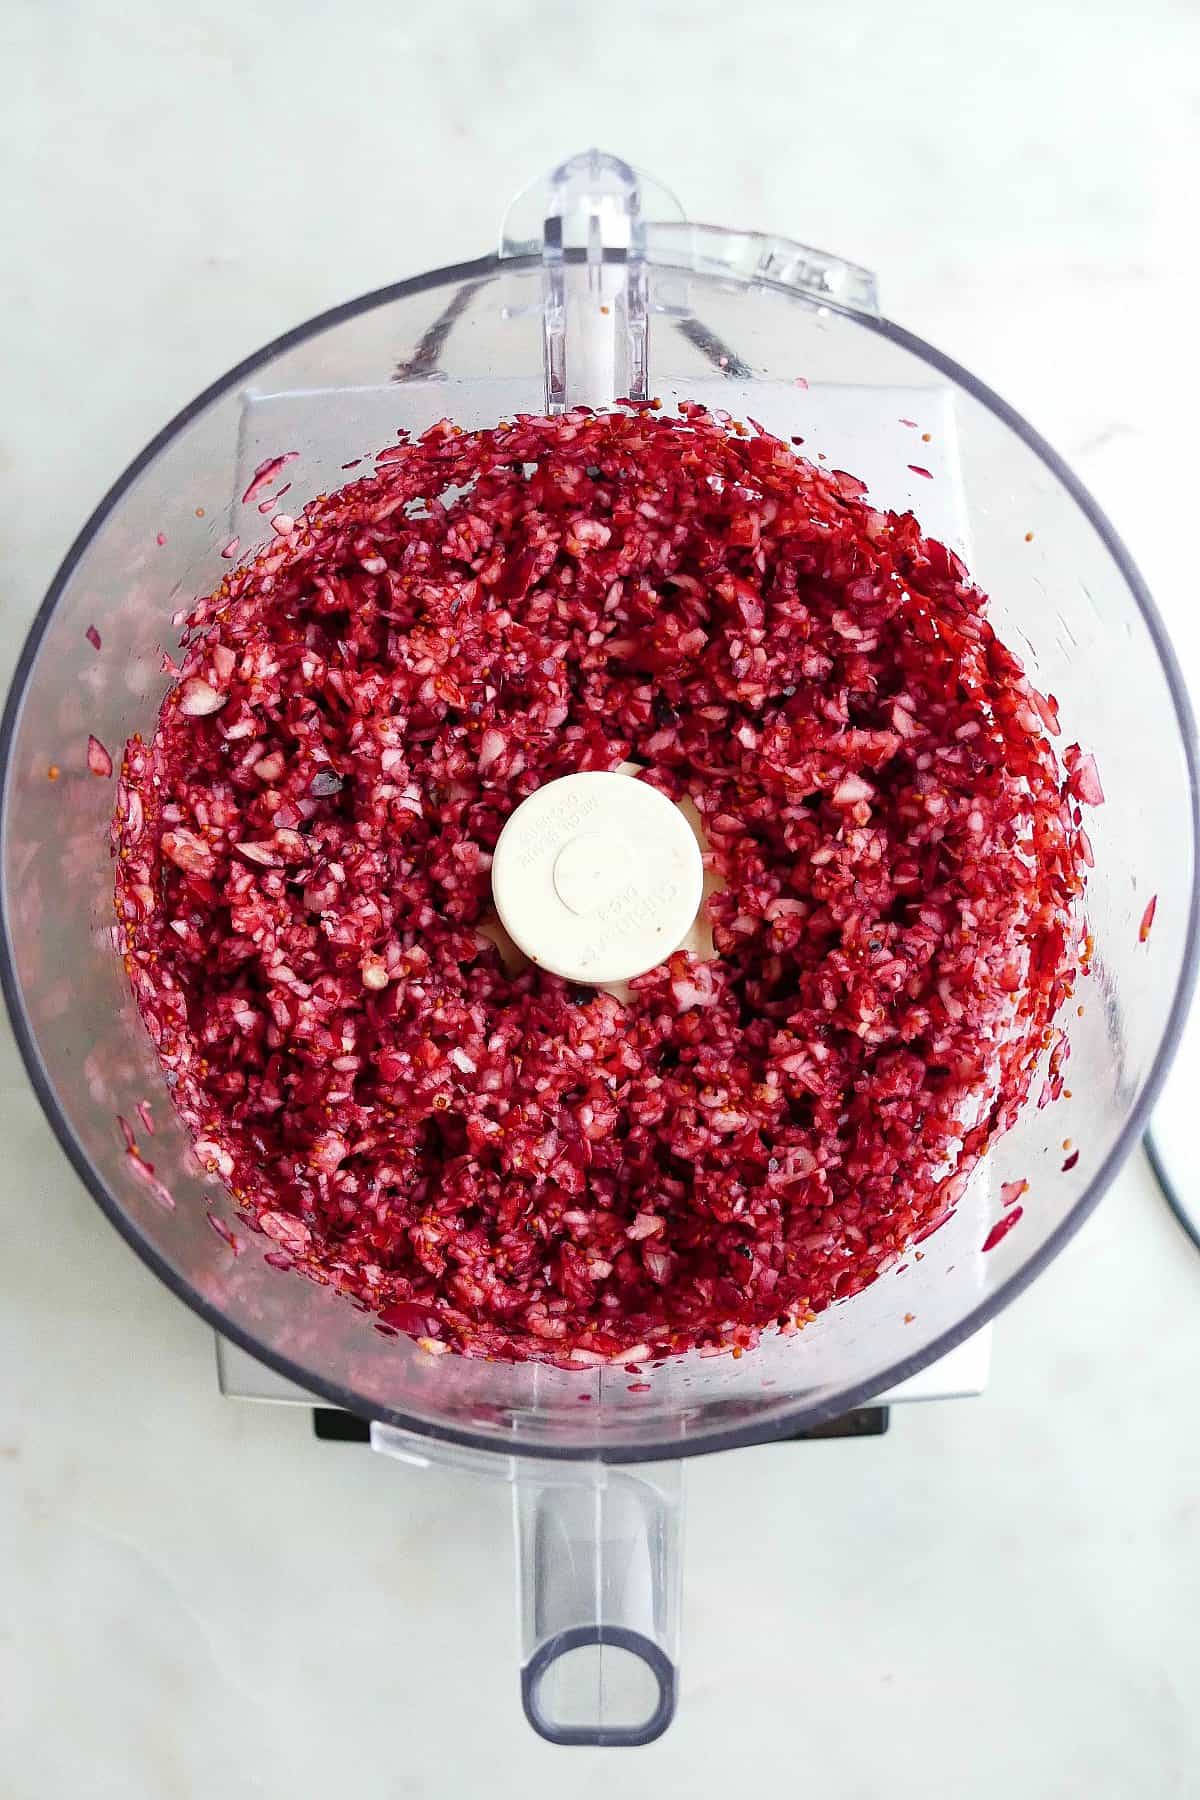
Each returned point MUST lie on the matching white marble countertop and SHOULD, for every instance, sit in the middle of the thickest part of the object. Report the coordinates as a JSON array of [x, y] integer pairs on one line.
[[1000, 1597]]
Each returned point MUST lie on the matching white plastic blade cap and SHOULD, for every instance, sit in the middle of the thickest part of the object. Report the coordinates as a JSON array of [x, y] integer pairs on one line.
[[597, 877]]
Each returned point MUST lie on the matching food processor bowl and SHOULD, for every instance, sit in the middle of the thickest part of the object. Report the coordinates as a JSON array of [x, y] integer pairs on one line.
[[600, 288]]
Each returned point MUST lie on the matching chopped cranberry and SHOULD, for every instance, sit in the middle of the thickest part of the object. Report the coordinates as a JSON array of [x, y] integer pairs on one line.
[[98, 759], [1002, 1227], [226, 1236], [489, 1158], [265, 474]]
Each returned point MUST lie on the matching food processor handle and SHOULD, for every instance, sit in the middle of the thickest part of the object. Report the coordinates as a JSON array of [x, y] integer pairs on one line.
[[598, 1572], [598, 1581]]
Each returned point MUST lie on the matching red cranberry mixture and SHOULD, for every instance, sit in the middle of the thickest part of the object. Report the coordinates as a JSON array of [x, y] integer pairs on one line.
[[505, 1164]]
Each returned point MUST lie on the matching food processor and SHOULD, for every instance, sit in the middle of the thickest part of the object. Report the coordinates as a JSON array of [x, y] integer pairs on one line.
[[600, 289]]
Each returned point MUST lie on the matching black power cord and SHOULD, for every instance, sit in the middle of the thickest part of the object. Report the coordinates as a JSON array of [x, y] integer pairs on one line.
[[1186, 1221]]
